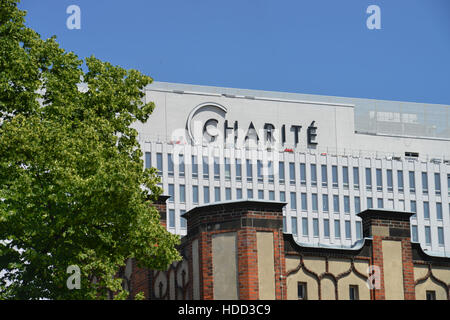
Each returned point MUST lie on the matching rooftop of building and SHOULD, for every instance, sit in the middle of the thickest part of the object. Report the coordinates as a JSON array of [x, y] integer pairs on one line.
[[407, 119]]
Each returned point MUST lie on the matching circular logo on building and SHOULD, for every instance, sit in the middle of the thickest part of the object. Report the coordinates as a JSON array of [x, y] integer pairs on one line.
[[202, 123]]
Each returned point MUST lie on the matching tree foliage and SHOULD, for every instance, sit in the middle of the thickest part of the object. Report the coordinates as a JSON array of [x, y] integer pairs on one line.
[[73, 190]]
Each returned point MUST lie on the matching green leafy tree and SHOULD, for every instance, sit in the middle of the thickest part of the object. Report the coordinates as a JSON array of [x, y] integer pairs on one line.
[[73, 190]]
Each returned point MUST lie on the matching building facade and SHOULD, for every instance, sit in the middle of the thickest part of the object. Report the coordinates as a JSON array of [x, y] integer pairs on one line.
[[328, 158]]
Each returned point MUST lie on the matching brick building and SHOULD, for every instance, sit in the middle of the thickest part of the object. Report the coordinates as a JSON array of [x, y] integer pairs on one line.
[[237, 250]]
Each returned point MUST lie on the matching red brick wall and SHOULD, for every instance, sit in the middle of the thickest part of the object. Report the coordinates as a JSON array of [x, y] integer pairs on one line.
[[247, 264]]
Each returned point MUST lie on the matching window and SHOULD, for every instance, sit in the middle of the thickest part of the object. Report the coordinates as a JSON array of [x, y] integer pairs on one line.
[[284, 224], [401, 205], [437, 183], [334, 172], [170, 164], [357, 205], [259, 168], [379, 180], [238, 193], [326, 228], [205, 194], [302, 174], [412, 182], [324, 176], [346, 204], [440, 232], [368, 179], [282, 196], [438, 210], [413, 206], [194, 167], [182, 193], [171, 218], [171, 193], [305, 227], [345, 177], [314, 202], [271, 195], [205, 168], [427, 235], [356, 178], [426, 210], [270, 168], [380, 203], [336, 203], [400, 181], [313, 175], [216, 194], [337, 229], [414, 235], [227, 193], [250, 193], [159, 163], [304, 202], [301, 291], [293, 201], [424, 183], [249, 170], [316, 227], [448, 184], [148, 160], [181, 165], [260, 194], [348, 233], [292, 172], [281, 171], [216, 168], [325, 202], [431, 295], [238, 170], [389, 180], [182, 220], [369, 203], [358, 230], [353, 292], [227, 169], [195, 194], [294, 225]]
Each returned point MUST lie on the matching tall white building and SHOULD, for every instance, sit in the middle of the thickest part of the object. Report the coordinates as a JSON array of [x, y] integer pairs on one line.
[[327, 157]]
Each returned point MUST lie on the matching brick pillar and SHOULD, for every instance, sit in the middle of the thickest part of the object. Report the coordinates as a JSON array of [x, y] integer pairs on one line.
[[245, 219], [394, 226], [248, 264]]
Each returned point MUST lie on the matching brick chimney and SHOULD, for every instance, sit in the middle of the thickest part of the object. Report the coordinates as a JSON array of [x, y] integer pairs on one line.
[[240, 250], [391, 252]]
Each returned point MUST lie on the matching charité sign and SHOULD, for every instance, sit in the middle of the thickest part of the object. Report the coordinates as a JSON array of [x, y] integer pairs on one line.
[[208, 123]]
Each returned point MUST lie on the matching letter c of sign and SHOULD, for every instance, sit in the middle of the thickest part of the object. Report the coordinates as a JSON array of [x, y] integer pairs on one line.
[[198, 109]]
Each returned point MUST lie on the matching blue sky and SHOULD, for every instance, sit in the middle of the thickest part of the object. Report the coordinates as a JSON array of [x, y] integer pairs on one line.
[[314, 46]]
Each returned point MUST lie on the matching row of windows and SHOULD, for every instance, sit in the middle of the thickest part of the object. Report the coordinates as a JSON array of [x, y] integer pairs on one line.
[[292, 174], [325, 228], [303, 199], [415, 236], [353, 291]]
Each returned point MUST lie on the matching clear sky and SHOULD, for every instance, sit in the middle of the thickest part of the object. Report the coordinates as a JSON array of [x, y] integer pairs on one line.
[[305, 46]]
